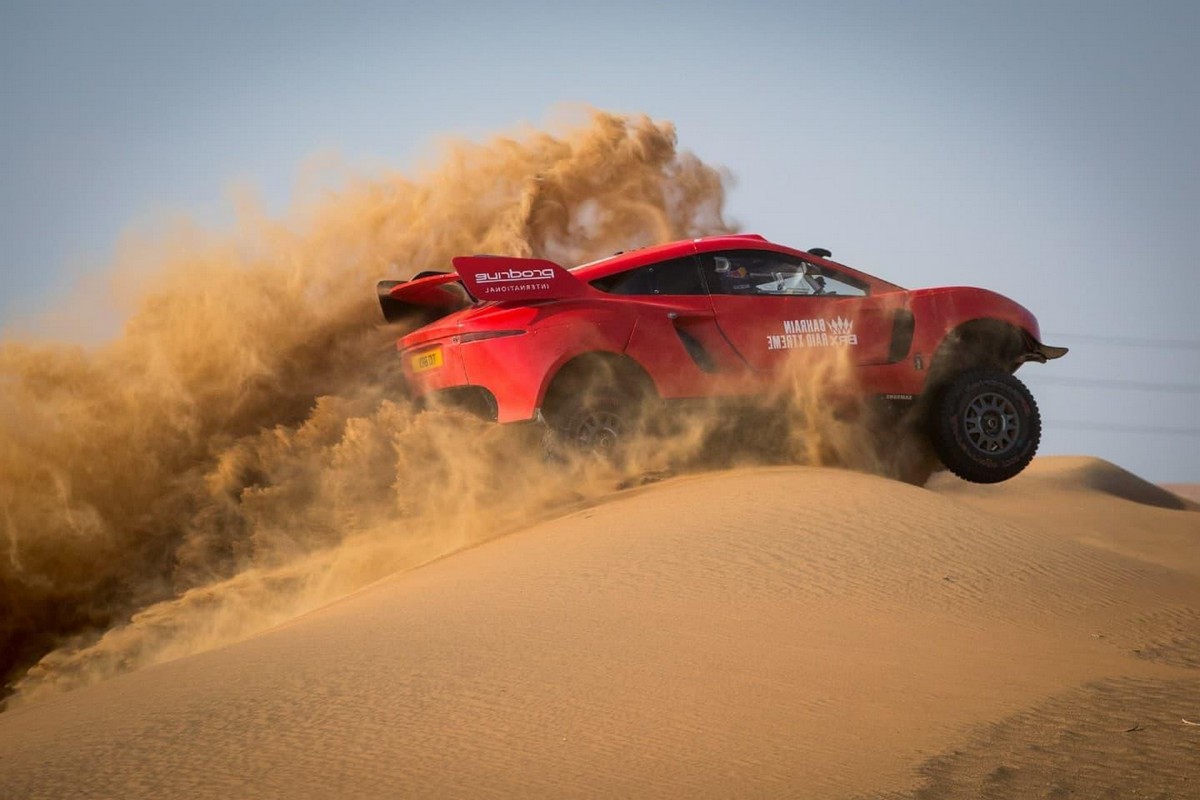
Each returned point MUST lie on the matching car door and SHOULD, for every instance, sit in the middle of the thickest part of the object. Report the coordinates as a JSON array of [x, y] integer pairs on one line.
[[771, 305], [676, 337]]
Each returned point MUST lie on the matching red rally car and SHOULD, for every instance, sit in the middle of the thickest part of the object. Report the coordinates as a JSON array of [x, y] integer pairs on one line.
[[518, 339]]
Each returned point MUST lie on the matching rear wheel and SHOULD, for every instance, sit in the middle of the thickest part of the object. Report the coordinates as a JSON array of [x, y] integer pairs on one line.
[[598, 424], [985, 426], [595, 406]]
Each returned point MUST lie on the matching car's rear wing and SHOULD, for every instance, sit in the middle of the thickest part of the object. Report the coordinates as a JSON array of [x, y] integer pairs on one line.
[[509, 278], [503, 278]]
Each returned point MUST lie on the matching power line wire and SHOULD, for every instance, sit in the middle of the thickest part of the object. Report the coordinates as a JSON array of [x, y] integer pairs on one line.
[[1118, 383], [1164, 430], [1127, 341]]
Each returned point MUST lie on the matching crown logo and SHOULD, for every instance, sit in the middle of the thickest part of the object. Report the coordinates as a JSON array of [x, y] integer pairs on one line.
[[840, 326]]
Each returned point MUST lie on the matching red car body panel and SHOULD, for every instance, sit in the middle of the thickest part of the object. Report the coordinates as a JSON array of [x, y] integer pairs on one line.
[[704, 340]]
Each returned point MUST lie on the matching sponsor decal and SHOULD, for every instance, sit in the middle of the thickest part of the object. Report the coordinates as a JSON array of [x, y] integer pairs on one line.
[[521, 287], [510, 275], [819, 332]]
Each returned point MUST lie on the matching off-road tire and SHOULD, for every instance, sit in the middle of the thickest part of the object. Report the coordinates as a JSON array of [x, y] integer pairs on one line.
[[598, 423], [985, 426]]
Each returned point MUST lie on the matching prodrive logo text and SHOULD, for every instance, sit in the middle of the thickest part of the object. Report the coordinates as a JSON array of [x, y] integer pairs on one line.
[[510, 275]]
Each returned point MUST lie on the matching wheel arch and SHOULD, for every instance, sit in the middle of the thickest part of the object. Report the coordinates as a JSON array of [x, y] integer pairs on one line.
[[585, 371], [982, 342]]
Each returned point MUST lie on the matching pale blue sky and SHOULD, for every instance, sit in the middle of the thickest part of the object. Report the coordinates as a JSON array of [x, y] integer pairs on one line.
[[1048, 150]]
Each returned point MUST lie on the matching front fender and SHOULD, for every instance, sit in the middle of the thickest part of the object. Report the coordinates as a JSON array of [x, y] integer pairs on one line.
[[976, 324], [939, 311]]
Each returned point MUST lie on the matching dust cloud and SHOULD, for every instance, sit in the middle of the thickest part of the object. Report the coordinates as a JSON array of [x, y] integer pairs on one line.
[[812, 412], [242, 451]]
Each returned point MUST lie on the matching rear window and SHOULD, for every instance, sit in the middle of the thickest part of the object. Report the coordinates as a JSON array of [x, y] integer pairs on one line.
[[677, 276]]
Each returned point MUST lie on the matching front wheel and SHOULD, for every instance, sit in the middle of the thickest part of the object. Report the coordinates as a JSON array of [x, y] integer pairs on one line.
[[985, 426]]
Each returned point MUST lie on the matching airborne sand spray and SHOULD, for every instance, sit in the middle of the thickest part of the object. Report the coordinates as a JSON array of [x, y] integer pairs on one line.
[[241, 454], [247, 415]]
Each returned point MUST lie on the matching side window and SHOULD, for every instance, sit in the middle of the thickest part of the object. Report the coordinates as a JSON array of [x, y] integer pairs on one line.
[[840, 284], [677, 276], [634, 281], [762, 272]]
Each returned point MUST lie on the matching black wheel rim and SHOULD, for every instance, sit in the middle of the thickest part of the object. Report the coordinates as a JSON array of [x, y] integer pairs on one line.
[[599, 431], [991, 423]]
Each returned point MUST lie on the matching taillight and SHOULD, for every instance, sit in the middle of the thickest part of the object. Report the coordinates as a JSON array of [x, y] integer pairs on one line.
[[463, 338]]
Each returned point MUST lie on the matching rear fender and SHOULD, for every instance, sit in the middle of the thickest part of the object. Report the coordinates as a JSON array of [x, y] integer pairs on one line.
[[604, 340], [595, 371]]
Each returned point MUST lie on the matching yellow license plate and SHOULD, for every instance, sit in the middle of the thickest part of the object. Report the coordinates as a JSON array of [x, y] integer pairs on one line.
[[428, 360]]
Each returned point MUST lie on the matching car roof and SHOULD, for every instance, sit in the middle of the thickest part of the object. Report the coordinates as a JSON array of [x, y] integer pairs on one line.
[[631, 259], [628, 259]]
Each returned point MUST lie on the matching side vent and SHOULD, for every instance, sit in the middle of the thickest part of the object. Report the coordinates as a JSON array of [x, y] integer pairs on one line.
[[902, 335], [696, 351]]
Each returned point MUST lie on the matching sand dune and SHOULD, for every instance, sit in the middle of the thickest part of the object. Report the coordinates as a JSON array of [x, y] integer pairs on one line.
[[788, 632], [1190, 492], [1092, 502]]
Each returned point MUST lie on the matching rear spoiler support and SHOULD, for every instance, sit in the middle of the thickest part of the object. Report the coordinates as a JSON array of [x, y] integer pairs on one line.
[[422, 299]]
